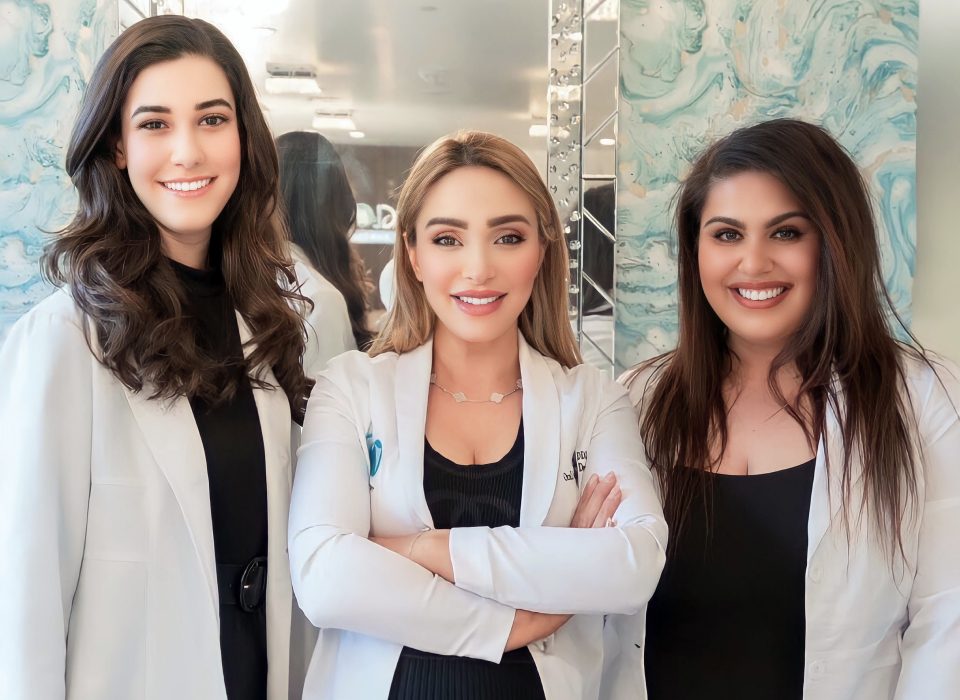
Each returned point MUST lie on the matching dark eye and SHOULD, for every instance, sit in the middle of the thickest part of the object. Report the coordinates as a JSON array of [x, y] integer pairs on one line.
[[787, 234], [152, 125], [510, 238], [213, 120], [445, 240], [727, 235]]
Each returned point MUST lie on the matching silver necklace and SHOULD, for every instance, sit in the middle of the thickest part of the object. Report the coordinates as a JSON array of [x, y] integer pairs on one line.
[[460, 397]]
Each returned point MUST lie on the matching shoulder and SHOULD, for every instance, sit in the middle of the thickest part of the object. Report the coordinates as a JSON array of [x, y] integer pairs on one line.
[[641, 380], [54, 325], [583, 381], [357, 367], [933, 385]]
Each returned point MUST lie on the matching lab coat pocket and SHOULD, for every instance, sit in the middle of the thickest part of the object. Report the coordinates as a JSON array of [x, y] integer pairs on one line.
[[108, 630]]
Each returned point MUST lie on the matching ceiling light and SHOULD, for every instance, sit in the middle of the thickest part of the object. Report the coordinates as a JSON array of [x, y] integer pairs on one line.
[[291, 79], [538, 130], [327, 120], [608, 142], [357, 134]]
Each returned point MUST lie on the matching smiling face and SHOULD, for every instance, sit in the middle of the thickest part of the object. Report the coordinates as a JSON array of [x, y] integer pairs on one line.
[[477, 253], [180, 146], [757, 256]]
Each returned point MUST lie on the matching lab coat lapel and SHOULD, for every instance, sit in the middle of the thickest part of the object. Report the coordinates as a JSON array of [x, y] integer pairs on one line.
[[275, 425], [541, 436], [825, 496], [411, 390], [170, 432]]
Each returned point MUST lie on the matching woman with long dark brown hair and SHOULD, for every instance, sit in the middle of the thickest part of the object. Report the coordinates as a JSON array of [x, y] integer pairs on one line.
[[321, 215], [147, 404], [807, 459]]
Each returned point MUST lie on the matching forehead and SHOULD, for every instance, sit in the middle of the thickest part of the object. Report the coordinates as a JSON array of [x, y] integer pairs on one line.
[[476, 191], [178, 84], [746, 193]]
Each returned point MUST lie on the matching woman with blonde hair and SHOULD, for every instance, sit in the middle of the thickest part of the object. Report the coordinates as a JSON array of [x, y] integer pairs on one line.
[[452, 533]]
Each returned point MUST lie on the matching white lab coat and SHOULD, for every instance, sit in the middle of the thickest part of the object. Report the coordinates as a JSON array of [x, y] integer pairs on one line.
[[328, 324], [873, 631], [360, 473], [109, 588]]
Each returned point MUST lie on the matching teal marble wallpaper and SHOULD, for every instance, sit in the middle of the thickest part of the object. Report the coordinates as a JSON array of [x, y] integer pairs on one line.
[[692, 70], [47, 51]]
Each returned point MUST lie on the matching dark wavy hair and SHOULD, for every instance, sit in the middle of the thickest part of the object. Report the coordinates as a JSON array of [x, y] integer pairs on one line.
[[321, 214], [846, 354], [110, 254]]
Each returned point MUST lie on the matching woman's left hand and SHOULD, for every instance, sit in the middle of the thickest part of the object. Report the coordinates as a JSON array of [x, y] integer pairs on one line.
[[598, 502]]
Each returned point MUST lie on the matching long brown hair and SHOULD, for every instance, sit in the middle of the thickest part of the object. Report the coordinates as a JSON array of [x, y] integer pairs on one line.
[[844, 350], [543, 321], [110, 253], [321, 214]]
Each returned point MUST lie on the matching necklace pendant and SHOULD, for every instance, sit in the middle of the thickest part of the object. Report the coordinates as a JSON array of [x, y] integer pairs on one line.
[[496, 398], [459, 396]]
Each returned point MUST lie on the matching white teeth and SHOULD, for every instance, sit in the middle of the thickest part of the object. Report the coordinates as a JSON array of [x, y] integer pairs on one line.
[[761, 294], [187, 186], [478, 301]]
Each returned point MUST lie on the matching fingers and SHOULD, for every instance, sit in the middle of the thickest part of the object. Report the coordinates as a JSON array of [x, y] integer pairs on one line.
[[579, 519], [608, 508], [592, 500]]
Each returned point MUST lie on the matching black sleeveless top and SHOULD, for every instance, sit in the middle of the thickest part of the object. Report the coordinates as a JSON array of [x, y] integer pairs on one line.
[[236, 471], [727, 619], [482, 495]]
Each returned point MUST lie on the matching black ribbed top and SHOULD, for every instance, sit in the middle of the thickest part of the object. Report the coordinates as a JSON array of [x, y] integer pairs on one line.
[[727, 620], [481, 495], [236, 472]]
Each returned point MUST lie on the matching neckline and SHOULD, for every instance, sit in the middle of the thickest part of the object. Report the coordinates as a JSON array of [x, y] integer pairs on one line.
[[446, 460], [804, 466]]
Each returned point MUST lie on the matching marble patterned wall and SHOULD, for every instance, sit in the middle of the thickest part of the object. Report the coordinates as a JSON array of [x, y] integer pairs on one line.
[[47, 52], [693, 70]]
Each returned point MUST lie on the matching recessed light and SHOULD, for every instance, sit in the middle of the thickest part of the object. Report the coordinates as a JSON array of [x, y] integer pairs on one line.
[[608, 142], [538, 130], [357, 134], [342, 121]]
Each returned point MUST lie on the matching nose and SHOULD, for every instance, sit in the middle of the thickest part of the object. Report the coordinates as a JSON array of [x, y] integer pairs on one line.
[[187, 149], [756, 259], [478, 266]]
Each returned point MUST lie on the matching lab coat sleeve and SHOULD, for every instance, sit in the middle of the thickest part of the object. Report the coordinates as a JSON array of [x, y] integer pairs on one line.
[[570, 570], [327, 323], [45, 414], [344, 581], [931, 643]]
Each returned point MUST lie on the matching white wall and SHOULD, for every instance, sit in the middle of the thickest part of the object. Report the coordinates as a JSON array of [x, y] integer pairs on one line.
[[936, 291]]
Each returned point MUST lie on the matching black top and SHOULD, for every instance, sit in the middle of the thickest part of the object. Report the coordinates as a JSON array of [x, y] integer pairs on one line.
[[727, 619], [481, 495], [236, 471]]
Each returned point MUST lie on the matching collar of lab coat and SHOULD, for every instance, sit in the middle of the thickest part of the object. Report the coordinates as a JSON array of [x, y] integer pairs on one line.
[[541, 429], [826, 500]]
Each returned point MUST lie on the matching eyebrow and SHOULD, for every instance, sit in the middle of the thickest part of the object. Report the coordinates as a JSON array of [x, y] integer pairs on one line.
[[217, 102], [495, 221], [773, 222]]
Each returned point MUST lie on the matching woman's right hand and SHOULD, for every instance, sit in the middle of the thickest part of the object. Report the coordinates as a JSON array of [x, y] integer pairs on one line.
[[598, 502], [529, 627]]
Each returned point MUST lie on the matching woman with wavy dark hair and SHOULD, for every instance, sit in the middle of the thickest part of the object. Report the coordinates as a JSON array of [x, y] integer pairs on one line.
[[321, 214], [147, 404], [806, 458]]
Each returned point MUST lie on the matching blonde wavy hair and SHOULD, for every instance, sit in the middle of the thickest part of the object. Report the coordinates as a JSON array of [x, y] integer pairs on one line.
[[543, 321]]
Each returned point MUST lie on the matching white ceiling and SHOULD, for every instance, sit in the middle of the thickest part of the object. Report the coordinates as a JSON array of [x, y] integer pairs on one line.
[[408, 70]]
